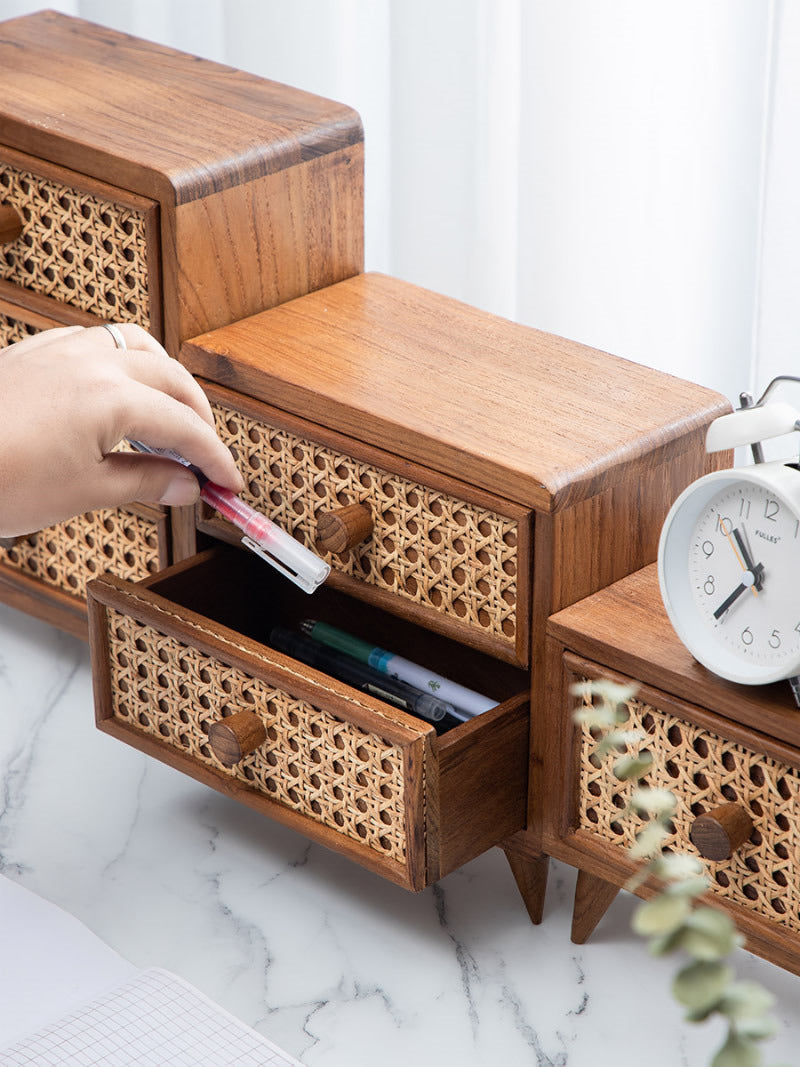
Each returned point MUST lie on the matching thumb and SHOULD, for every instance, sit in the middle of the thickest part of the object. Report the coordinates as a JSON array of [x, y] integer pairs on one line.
[[150, 479]]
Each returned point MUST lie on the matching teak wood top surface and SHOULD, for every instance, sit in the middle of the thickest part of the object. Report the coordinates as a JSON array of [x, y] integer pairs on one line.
[[539, 419], [94, 100], [625, 627]]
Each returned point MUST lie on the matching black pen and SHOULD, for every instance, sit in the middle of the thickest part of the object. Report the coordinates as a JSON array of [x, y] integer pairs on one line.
[[359, 675]]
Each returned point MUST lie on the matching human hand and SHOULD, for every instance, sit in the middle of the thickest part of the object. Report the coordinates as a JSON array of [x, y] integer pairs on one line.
[[69, 396]]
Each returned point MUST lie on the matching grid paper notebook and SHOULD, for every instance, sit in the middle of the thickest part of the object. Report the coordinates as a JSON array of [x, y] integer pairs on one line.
[[155, 1019]]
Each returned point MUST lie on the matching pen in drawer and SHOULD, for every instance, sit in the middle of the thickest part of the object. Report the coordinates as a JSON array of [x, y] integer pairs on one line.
[[362, 677], [464, 700]]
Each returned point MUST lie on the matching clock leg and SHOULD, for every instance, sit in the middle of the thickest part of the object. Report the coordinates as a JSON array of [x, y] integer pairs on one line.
[[593, 898], [794, 682], [530, 874]]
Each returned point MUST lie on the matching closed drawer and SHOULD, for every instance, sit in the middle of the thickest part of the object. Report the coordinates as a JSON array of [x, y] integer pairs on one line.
[[454, 558], [706, 762], [51, 568], [83, 244], [174, 654]]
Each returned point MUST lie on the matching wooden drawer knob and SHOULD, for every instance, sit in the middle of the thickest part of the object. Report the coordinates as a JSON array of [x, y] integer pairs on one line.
[[10, 224], [232, 738], [339, 530], [717, 834]]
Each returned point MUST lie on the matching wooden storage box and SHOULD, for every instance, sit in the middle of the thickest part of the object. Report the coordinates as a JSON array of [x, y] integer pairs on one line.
[[504, 473], [715, 744], [140, 184], [177, 653]]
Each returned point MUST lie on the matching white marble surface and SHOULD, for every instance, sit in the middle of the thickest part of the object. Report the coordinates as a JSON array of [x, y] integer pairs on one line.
[[337, 966]]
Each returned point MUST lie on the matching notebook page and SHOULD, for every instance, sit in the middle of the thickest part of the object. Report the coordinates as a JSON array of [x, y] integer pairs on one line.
[[154, 1019], [50, 963]]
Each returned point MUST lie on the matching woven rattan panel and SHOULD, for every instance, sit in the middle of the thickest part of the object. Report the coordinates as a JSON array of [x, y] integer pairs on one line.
[[13, 330], [432, 549], [75, 247], [71, 553], [331, 771], [703, 771]]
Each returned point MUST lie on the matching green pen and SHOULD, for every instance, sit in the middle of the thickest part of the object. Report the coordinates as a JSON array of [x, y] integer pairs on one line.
[[466, 701]]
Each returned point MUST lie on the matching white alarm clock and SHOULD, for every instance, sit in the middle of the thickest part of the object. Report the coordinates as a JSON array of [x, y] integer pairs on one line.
[[729, 555]]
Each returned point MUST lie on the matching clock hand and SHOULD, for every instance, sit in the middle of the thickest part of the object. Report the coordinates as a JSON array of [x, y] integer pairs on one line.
[[752, 578], [748, 559], [726, 603]]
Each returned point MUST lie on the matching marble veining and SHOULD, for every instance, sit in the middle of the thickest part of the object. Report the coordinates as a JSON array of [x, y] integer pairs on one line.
[[334, 964]]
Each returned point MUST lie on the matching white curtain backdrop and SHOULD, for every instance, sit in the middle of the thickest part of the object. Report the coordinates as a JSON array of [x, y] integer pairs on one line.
[[623, 173]]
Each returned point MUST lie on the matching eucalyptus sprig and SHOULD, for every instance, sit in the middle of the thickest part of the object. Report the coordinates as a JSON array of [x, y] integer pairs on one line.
[[674, 920]]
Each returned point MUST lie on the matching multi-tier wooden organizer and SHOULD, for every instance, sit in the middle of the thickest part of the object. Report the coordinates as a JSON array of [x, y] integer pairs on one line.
[[492, 497], [489, 496]]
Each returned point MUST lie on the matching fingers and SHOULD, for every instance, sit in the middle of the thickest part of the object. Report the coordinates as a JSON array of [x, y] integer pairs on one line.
[[123, 477], [45, 337], [145, 360], [161, 421]]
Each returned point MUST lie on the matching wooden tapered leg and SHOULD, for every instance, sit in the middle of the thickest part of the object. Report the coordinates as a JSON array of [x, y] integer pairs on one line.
[[530, 874], [593, 898]]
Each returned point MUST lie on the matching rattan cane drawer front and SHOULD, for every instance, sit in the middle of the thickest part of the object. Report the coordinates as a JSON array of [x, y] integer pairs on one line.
[[454, 558], [343, 768], [83, 244], [56, 564], [703, 769]]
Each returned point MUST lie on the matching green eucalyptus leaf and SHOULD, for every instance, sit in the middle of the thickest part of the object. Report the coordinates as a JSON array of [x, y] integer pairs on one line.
[[747, 1000], [612, 692], [622, 738], [689, 887], [709, 935], [600, 718], [677, 867], [649, 840], [660, 916], [737, 1052], [665, 943], [658, 802], [701, 986], [633, 767]]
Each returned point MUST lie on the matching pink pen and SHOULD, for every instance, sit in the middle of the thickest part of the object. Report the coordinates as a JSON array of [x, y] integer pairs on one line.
[[261, 535]]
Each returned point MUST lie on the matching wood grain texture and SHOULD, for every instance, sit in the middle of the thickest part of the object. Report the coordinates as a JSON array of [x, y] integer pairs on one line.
[[259, 185], [150, 118], [544, 421], [593, 897], [530, 874]]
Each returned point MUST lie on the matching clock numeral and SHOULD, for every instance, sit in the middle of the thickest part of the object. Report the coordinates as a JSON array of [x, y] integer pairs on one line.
[[708, 585], [747, 636], [724, 525], [708, 548], [775, 639], [744, 508], [771, 509]]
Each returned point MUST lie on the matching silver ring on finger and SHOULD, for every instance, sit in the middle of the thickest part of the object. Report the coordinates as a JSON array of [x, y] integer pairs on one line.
[[117, 335]]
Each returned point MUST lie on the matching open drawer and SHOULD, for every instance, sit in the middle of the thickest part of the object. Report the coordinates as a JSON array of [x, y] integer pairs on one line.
[[179, 651]]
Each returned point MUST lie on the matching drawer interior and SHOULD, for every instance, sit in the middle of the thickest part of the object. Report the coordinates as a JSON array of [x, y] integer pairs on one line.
[[236, 589]]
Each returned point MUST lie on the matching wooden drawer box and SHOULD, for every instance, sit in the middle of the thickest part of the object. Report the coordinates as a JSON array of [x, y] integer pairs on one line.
[[713, 744], [82, 243], [451, 557], [46, 573], [177, 652]]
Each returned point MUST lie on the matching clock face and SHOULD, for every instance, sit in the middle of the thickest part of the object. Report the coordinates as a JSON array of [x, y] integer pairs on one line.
[[729, 566], [744, 574]]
